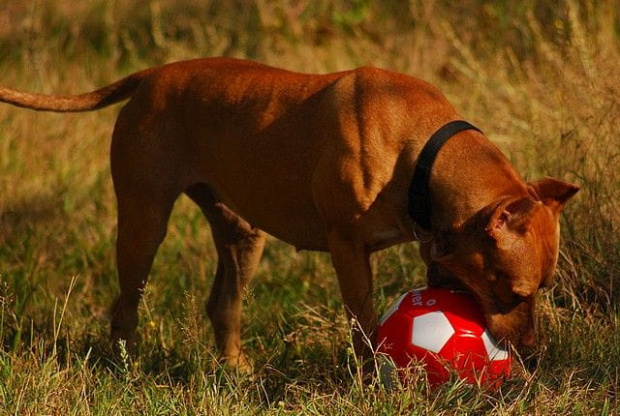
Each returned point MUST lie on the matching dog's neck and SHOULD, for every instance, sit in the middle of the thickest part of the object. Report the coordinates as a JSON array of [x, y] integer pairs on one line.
[[466, 179], [419, 192]]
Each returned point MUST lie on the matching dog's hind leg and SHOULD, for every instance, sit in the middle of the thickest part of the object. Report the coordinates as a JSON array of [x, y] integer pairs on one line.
[[142, 221], [239, 248]]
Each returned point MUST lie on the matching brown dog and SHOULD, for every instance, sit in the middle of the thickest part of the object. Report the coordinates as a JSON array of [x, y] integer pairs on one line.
[[322, 162]]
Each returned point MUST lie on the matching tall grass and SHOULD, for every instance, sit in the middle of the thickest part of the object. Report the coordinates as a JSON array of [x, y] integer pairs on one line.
[[540, 78]]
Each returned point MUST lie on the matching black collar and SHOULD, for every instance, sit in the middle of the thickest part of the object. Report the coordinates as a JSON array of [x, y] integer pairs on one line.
[[419, 193]]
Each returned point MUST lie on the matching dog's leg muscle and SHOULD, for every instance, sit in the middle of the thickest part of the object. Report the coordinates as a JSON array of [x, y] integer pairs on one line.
[[140, 232], [239, 247]]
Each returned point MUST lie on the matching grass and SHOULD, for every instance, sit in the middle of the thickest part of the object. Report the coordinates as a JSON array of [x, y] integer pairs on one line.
[[539, 77]]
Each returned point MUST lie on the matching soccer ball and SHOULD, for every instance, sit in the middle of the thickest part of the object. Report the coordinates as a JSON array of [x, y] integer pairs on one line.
[[446, 332]]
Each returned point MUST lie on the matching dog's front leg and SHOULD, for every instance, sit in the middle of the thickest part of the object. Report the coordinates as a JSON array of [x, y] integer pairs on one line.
[[351, 261]]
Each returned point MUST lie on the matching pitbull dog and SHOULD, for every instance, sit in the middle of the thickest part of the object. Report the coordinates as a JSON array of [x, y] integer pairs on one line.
[[323, 162]]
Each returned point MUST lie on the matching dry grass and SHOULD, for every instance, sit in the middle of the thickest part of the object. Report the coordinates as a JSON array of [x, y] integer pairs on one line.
[[539, 77]]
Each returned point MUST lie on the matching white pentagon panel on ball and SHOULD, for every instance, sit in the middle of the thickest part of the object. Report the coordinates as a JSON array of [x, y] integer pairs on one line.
[[431, 331], [494, 351]]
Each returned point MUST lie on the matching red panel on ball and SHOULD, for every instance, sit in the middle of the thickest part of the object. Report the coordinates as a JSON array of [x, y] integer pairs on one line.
[[446, 332]]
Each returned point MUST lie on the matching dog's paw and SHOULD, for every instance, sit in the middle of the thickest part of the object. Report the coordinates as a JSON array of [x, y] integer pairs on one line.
[[237, 364]]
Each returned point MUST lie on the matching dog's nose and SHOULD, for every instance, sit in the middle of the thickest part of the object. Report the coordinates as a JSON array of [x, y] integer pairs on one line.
[[528, 340]]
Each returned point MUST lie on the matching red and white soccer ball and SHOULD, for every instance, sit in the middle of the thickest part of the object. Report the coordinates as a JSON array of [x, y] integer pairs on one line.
[[446, 332]]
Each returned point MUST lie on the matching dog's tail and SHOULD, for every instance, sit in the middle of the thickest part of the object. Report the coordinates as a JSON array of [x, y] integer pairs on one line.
[[111, 94]]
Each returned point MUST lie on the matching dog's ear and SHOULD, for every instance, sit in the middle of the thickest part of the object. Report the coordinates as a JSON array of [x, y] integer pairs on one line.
[[551, 192], [513, 216]]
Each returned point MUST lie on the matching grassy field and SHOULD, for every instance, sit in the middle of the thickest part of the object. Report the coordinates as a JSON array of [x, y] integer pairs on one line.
[[540, 78]]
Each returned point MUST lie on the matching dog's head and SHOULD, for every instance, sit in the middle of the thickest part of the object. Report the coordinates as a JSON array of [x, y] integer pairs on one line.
[[506, 254]]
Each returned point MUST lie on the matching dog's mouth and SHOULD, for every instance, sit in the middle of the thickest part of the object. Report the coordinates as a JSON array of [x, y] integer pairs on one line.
[[512, 324], [516, 327]]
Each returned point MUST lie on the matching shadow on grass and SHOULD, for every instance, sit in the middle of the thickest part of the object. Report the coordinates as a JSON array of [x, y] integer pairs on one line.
[[26, 216]]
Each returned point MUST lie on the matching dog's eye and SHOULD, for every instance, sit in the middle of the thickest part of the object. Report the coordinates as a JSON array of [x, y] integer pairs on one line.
[[509, 302], [518, 299], [515, 301]]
